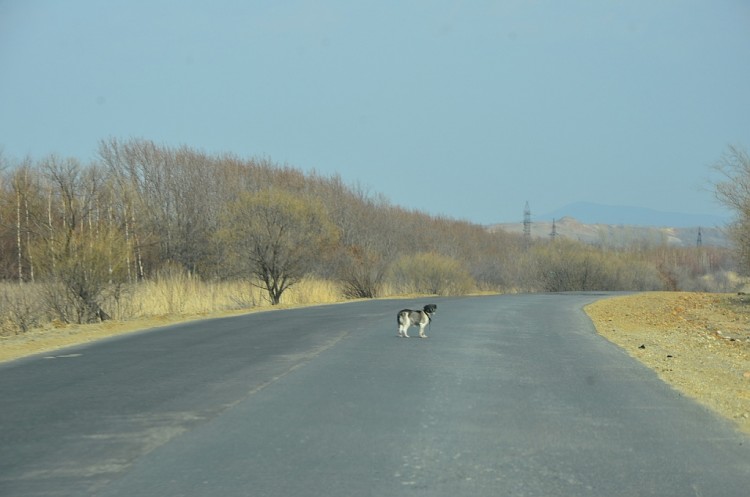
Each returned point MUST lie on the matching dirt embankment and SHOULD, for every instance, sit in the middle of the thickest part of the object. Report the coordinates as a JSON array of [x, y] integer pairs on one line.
[[697, 342]]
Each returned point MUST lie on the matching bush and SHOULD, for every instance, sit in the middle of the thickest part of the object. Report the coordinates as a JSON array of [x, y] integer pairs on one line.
[[21, 308], [361, 273], [565, 266], [431, 273]]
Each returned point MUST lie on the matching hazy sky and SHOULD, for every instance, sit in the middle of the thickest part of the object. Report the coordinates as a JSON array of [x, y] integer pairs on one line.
[[460, 108]]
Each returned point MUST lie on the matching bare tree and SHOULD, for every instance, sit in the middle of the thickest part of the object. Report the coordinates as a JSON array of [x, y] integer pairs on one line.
[[366, 245], [82, 252], [734, 192], [174, 195], [277, 237]]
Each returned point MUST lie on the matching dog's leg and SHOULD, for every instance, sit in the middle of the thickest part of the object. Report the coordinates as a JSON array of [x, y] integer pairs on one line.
[[402, 331], [421, 331]]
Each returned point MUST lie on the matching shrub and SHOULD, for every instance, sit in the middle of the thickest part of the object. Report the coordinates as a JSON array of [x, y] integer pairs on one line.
[[21, 308], [565, 266], [431, 273]]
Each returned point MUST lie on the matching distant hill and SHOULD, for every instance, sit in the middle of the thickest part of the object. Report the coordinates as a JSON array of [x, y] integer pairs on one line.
[[591, 213], [620, 235]]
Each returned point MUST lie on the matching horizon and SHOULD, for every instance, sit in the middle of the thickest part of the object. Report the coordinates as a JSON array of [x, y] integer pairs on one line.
[[596, 213]]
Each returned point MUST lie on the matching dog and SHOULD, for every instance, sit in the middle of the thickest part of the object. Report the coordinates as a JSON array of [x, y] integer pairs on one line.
[[409, 317]]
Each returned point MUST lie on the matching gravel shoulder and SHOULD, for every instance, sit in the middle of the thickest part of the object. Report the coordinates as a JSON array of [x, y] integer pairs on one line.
[[699, 343]]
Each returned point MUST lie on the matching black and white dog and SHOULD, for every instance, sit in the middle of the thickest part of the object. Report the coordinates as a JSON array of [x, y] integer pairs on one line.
[[408, 317]]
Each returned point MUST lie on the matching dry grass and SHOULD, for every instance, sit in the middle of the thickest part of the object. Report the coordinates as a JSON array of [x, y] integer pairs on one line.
[[190, 296], [22, 307], [147, 305]]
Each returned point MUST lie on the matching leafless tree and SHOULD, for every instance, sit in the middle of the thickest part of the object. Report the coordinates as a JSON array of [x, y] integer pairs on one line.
[[734, 192], [276, 235], [81, 251]]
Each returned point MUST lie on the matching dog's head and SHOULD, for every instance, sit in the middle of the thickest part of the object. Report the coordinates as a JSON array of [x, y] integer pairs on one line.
[[430, 308]]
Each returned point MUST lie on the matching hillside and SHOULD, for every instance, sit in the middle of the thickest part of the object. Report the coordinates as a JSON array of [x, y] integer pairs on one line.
[[619, 235]]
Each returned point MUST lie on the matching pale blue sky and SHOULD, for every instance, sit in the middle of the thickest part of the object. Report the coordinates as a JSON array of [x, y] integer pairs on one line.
[[465, 109]]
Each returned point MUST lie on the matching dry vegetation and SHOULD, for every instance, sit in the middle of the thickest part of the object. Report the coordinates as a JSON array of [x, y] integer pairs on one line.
[[177, 297], [166, 301], [147, 230]]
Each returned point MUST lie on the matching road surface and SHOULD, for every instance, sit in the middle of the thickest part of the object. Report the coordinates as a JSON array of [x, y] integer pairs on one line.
[[509, 396]]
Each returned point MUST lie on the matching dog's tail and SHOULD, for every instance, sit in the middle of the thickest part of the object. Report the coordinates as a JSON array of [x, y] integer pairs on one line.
[[401, 317]]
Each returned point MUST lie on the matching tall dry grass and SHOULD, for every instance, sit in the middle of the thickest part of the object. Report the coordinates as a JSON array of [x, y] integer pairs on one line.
[[185, 295], [23, 307]]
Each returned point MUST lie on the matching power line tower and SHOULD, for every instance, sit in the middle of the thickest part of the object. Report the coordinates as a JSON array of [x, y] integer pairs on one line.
[[699, 243], [553, 234], [527, 222]]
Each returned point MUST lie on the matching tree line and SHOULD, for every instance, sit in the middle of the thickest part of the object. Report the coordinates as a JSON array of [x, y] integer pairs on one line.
[[88, 230]]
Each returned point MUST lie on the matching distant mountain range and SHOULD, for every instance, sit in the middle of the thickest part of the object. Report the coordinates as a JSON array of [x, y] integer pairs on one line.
[[624, 226], [591, 213]]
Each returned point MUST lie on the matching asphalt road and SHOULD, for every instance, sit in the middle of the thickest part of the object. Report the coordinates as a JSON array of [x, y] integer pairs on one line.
[[510, 396]]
